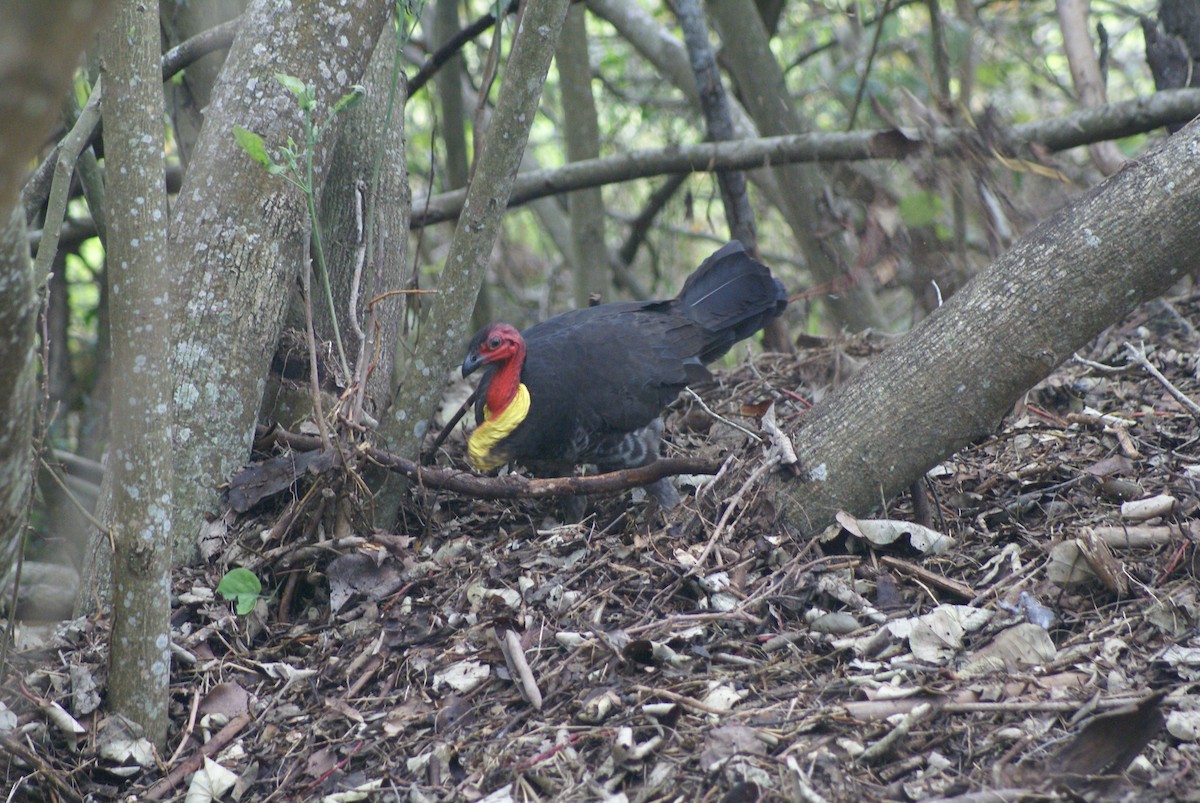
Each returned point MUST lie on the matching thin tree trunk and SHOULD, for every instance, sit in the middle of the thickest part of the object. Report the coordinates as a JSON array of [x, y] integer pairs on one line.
[[478, 227], [581, 129], [362, 144], [449, 83], [140, 453], [31, 88], [762, 88], [1085, 75], [953, 377]]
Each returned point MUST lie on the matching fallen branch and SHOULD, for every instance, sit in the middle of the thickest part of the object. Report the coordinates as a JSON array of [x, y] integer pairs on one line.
[[515, 486], [213, 746], [256, 482]]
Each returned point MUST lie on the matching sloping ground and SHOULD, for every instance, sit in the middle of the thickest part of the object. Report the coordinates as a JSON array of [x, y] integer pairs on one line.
[[483, 652]]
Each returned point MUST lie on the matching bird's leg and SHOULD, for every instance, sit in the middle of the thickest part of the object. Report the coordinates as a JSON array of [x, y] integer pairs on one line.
[[641, 448]]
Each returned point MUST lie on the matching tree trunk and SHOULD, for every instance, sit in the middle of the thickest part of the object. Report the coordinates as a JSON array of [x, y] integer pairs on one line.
[[762, 88], [364, 145], [581, 130], [952, 379], [18, 384], [31, 88], [140, 452], [487, 198], [239, 235]]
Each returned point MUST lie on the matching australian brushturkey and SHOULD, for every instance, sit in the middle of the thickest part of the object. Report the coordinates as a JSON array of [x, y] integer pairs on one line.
[[589, 386]]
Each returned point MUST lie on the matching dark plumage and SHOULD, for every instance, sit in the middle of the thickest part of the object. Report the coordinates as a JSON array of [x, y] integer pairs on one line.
[[598, 378]]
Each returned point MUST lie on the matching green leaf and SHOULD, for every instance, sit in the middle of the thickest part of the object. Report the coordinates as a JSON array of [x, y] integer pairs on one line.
[[253, 145], [306, 99], [292, 84], [241, 586]]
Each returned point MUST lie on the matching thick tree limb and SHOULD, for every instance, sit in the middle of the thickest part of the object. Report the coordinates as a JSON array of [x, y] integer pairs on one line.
[[953, 378], [1060, 133]]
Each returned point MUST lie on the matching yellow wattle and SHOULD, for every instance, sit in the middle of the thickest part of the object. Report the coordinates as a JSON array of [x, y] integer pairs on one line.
[[496, 428]]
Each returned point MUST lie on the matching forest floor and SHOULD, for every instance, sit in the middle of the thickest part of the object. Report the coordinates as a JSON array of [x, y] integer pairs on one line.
[[1042, 643]]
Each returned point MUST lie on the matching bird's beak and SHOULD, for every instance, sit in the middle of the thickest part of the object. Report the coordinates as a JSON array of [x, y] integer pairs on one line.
[[471, 363]]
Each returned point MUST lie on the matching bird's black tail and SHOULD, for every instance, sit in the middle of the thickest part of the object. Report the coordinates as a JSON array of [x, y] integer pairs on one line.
[[731, 296]]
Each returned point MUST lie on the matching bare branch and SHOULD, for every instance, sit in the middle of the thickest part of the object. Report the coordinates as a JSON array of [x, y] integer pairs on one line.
[[515, 486], [1112, 121]]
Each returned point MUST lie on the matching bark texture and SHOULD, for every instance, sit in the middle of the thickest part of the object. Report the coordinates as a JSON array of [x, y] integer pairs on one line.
[[581, 129], [140, 451], [239, 235], [346, 208], [18, 383], [951, 380]]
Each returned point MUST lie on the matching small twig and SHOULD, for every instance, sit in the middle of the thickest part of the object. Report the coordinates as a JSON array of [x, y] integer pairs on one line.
[[450, 425], [682, 699], [770, 462], [362, 364], [1139, 356], [723, 420], [310, 337], [1099, 366], [187, 731], [956, 588], [514, 656]]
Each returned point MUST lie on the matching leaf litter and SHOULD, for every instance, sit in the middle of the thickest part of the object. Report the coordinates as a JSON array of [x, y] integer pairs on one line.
[[1035, 637]]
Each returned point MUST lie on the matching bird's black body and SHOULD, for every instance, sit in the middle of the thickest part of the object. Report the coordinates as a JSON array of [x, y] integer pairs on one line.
[[598, 378]]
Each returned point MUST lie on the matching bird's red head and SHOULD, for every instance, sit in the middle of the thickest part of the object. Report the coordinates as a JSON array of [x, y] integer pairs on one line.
[[501, 345], [494, 343]]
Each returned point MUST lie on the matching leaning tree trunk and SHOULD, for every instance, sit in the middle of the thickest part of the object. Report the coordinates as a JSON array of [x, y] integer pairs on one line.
[[444, 330], [952, 378]]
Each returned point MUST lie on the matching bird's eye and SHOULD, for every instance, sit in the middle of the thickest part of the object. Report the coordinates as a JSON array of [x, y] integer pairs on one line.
[[493, 342]]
